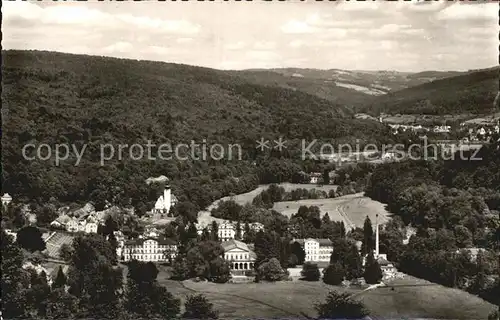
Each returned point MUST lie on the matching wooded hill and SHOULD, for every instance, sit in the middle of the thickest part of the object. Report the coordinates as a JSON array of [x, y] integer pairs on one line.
[[471, 93], [56, 98]]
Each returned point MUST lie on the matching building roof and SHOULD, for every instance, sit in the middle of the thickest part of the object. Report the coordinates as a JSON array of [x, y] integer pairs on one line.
[[232, 244], [161, 241], [322, 242]]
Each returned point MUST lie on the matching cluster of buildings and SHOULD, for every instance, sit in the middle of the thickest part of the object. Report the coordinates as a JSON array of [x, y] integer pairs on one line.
[[481, 133], [226, 230], [87, 224]]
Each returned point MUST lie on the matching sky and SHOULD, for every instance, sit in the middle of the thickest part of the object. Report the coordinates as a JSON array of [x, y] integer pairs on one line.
[[374, 35]]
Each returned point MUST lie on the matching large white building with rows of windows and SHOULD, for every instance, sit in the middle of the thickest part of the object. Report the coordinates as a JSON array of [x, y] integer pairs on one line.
[[150, 247], [317, 250]]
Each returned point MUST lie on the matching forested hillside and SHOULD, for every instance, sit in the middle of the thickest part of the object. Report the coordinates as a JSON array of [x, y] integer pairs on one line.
[[55, 98], [453, 205], [471, 93]]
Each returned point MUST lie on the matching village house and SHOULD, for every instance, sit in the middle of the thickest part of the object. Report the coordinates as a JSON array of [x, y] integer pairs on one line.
[[239, 255], [315, 177], [317, 250], [442, 129], [73, 224]]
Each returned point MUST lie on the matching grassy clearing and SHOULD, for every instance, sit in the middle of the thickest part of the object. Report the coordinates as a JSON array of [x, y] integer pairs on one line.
[[352, 209], [282, 299], [244, 198], [411, 297], [417, 298]]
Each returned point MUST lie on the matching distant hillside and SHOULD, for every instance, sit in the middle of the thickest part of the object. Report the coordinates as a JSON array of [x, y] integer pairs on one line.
[[470, 93], [56, 98], [352, 88]]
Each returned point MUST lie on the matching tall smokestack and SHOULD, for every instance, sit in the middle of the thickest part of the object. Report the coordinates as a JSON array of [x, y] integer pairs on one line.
[[376, 237]]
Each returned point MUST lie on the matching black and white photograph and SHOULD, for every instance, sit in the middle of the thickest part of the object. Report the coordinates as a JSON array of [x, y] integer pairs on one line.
[[259, 159]]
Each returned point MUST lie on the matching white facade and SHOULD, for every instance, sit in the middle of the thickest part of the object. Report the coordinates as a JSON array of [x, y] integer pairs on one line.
[[73, 225], [150, 249], [315, 177], [91, 227], [317, 250], [6, 199], [239, 255], [165, 202], [227, 229]]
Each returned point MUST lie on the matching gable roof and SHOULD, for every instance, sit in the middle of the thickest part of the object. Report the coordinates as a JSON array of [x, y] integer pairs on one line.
[[161, 241], [322, 242], [232, 244]]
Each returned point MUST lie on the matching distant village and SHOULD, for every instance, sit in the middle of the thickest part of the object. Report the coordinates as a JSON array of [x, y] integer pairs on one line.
[[469, 132]]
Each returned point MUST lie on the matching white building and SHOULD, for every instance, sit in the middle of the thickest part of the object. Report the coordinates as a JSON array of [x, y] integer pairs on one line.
[[227, 229], [6, 199], [317, 250], [481, 132], [239, 255], [315, 177], [72, 224], [165, 202], [442, 129], [150, 248]]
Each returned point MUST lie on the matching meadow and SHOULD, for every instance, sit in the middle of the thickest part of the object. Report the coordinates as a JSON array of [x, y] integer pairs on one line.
[[352, 209], [407, 297], [247, 197]]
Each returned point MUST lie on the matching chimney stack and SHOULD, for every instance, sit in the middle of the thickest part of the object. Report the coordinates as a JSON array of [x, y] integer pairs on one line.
[[376, 237]]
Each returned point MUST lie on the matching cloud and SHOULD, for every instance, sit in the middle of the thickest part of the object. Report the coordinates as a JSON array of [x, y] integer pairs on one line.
[[408, 36], [298, 27], [469, 12], [81, 16], [119, 47]]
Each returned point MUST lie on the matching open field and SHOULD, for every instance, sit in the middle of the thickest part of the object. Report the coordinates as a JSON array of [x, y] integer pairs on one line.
[[417, 298], [205, 217], [411, 297], [243, 198], [352, 209]]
